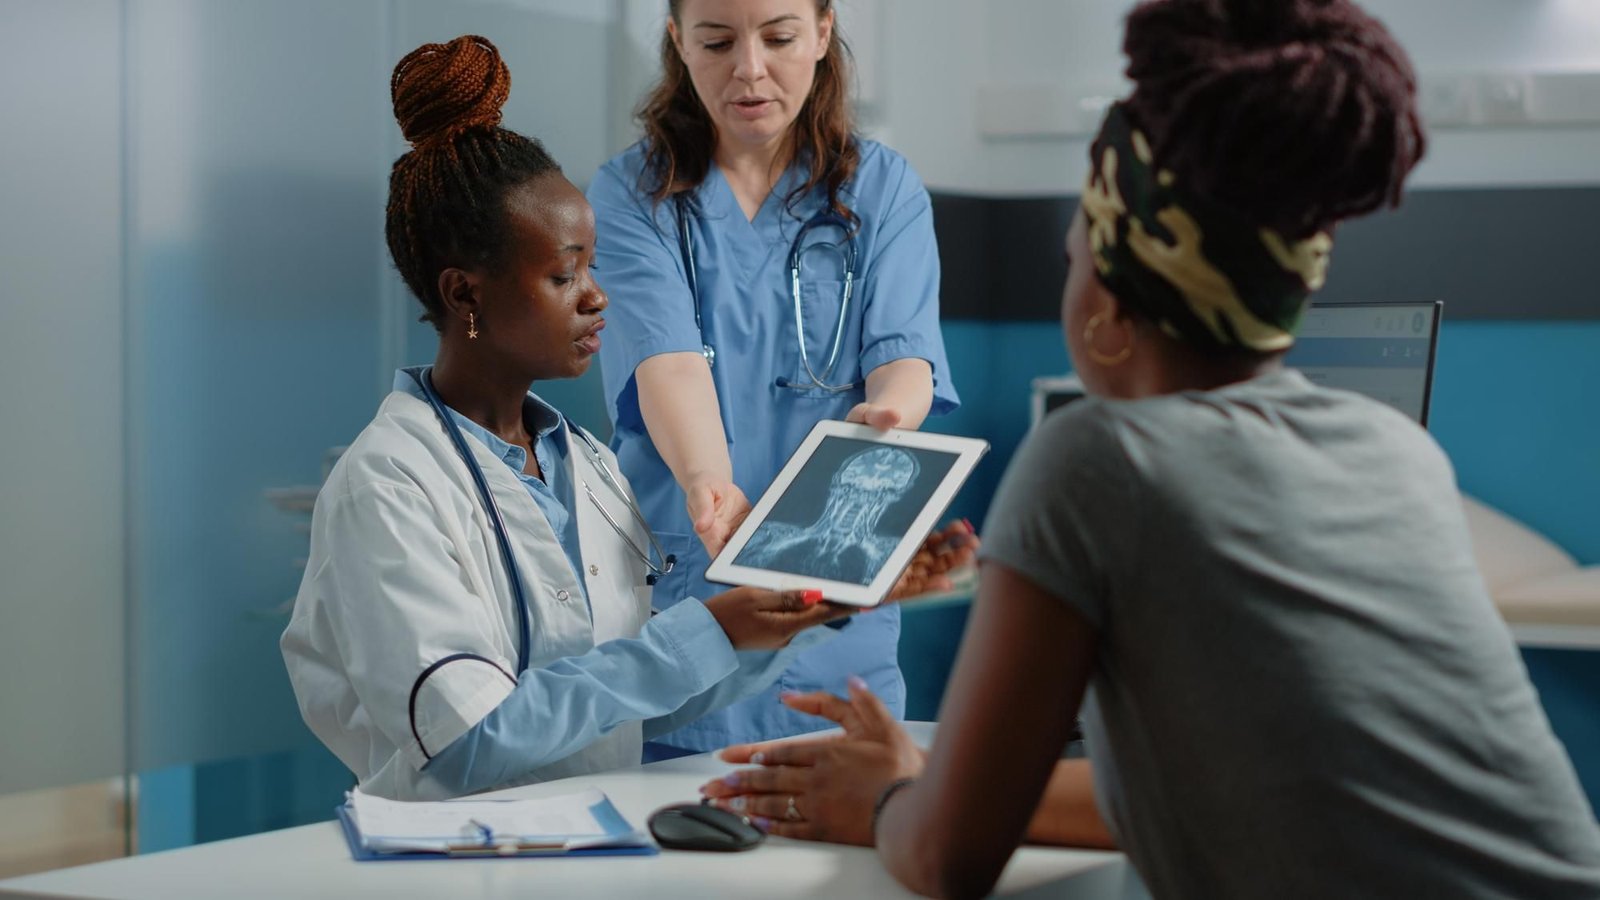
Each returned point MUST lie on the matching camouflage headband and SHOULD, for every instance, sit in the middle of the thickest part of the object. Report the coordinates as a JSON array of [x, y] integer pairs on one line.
[[1202, 272]]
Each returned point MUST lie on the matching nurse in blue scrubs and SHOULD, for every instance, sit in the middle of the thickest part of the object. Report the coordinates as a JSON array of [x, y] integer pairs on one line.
[[717, 362]]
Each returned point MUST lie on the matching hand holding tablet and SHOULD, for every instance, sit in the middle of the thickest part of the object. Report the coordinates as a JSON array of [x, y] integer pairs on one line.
[[946, 556], [848, 511], [754, 619]]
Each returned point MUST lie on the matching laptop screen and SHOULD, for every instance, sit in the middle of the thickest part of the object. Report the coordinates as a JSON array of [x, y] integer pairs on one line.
[[1383, 350]]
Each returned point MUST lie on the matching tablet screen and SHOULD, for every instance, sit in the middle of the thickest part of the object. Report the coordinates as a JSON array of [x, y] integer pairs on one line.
[[846, 510]]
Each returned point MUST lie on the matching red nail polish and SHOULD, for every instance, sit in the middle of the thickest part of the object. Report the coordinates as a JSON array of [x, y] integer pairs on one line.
[[970, 527], [811, 597]]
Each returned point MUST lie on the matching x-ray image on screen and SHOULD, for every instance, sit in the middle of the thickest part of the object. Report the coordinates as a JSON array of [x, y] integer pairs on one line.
[[846, 511]]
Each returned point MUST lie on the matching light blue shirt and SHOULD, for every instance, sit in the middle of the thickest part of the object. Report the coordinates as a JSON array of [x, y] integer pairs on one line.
[[747, 307], [679, 667]]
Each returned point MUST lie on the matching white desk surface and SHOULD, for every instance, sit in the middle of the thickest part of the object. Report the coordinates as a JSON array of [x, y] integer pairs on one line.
[[314, 861], [1558, 637]]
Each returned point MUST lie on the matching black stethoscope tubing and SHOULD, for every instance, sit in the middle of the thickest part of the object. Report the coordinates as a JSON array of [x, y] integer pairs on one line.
[[501, 535]]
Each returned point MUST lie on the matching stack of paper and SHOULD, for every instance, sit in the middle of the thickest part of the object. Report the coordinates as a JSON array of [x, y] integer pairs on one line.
[[584, 821]]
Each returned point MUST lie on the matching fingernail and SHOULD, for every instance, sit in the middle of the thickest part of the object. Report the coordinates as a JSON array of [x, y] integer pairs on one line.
[[970, 527], [811, 597], [758, 758], [731, 779], [857, 682], [762, 822]]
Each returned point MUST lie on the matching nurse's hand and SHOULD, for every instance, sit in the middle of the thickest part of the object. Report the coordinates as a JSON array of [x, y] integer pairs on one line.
[[756, 619], [945, 550], [716, 508], [821, 789], [882, 418]]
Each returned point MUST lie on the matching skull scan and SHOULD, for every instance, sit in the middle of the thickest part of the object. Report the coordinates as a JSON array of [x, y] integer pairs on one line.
[[844, 543], [886, 469]]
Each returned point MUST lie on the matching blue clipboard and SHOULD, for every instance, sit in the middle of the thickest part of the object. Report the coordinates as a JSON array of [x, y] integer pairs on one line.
[[360, 853]]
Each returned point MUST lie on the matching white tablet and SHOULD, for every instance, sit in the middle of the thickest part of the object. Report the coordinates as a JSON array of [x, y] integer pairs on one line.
[[848, 511]]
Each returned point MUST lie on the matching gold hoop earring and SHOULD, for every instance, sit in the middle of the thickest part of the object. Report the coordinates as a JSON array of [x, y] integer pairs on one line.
[[472, 327], [1104, 359]]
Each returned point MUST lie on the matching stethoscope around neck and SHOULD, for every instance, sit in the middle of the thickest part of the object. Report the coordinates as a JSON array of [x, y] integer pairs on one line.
[[847, 251], [653, 571]]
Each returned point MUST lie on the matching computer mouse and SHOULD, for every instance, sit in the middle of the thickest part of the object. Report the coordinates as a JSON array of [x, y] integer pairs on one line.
[[696, 826]]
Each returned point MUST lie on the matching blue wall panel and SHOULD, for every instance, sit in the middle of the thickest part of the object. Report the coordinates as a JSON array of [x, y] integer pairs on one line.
[[1569, 687], [1515, 407]]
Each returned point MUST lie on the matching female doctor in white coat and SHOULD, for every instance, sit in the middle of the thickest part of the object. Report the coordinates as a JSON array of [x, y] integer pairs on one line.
[[417, 656]]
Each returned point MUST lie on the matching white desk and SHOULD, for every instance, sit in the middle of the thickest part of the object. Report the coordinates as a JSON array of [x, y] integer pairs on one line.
[[313, 861], [1557, 637]]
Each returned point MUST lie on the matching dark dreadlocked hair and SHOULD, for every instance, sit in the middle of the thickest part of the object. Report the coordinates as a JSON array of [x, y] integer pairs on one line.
[[1296, 113], [447, 195]]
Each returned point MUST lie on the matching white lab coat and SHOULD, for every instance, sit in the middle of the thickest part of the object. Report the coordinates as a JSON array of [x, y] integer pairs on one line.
[[364, 653]]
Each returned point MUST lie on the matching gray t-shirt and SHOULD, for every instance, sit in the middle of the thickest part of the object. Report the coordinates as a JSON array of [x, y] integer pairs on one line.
[[1299, 676]]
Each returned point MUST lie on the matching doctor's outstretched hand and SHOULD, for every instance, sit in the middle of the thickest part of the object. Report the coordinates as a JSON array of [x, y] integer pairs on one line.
[[756, 619], [877, 415], [821, 789], [716, 508]]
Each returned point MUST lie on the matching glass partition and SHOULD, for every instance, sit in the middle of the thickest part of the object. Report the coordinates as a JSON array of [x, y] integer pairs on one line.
[[61, 463], [62, 483]]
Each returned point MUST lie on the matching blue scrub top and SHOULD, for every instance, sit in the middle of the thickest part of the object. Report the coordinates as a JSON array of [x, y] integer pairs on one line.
[[748, 312]]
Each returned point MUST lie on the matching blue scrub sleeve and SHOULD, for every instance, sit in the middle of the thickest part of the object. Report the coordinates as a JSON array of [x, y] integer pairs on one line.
[[900, 319], [559, 709], [640, 267]]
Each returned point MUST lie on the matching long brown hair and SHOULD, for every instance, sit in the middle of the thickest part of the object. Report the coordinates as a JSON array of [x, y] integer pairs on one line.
[[680, 140]]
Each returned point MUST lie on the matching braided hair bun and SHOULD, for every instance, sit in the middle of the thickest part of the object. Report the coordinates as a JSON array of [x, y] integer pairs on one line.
[[447, 195], [1296, 113], [441, 90]]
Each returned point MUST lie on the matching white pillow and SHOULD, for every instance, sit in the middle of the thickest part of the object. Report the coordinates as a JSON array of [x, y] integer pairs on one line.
[[1571, 598], [1508, 552]]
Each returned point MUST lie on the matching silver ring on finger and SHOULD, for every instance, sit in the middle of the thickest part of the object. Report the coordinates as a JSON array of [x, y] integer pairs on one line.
[[791, 813]]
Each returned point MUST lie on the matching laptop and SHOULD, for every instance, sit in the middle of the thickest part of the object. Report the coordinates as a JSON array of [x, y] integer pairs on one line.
[[1383, 350]]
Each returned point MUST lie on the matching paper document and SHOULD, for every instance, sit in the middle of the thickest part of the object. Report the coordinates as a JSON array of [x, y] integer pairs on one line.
[[582, 819]]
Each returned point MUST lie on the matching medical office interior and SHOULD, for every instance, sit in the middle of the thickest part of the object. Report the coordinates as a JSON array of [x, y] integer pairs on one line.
[[199, 310]]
